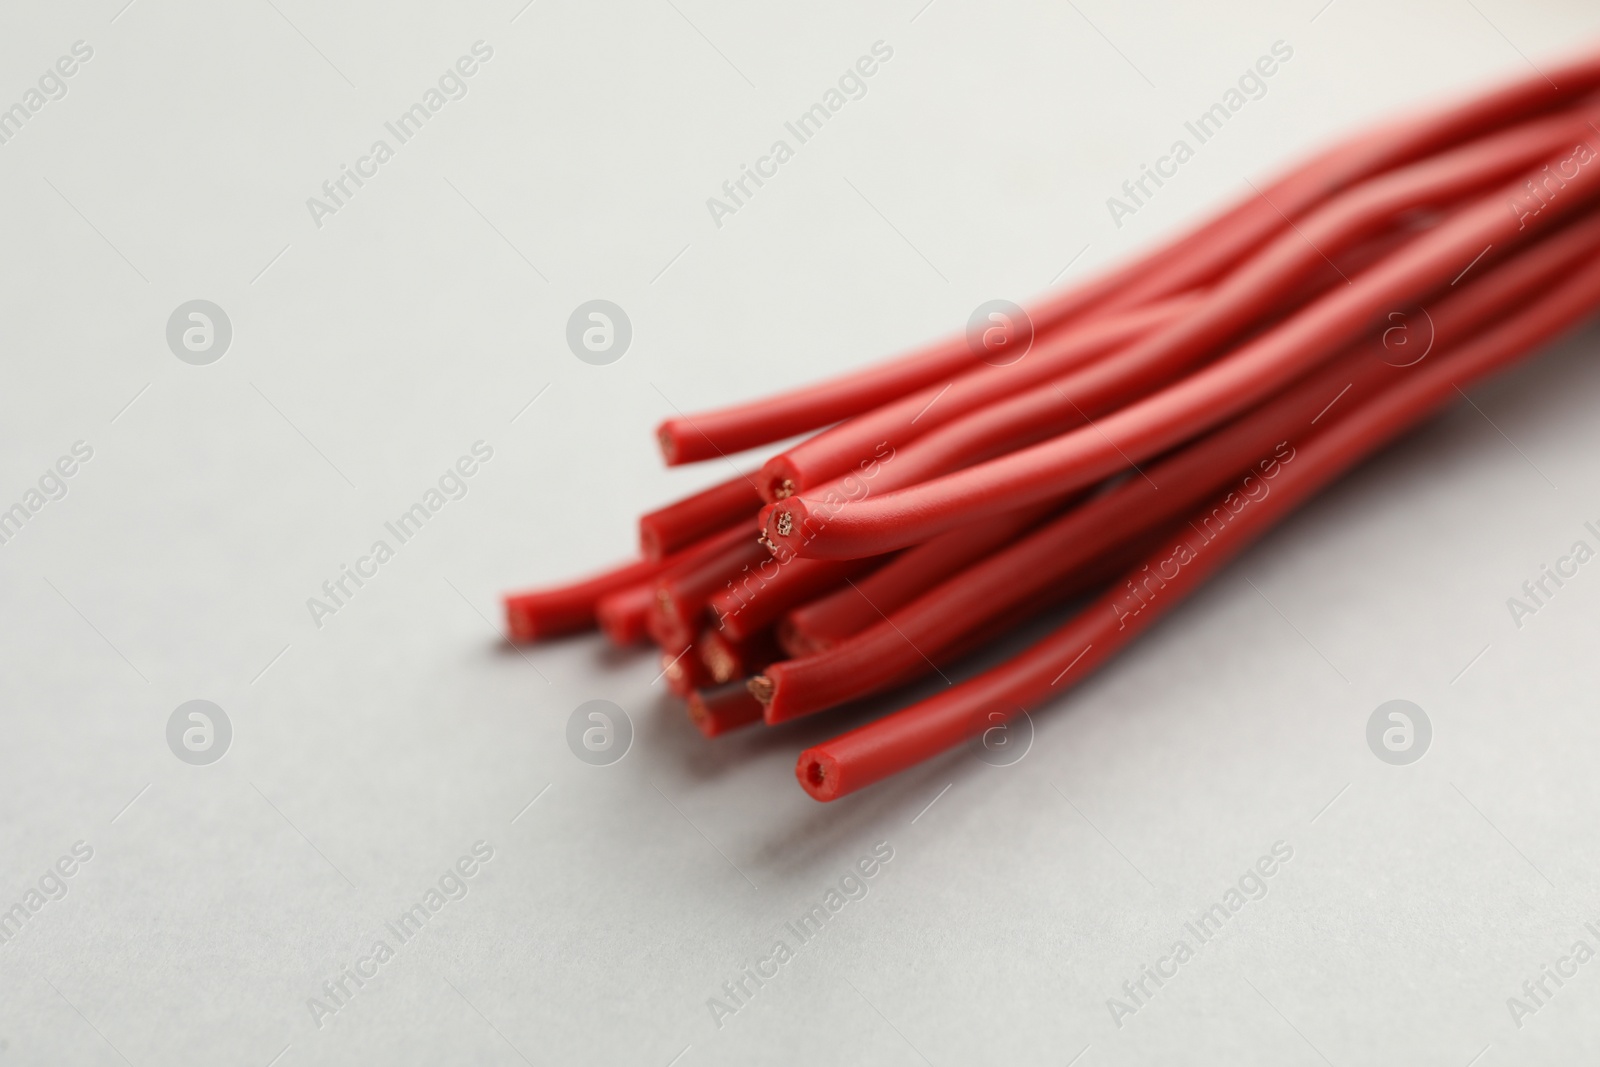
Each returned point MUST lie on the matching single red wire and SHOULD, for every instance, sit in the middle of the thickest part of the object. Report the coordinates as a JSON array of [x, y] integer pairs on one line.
[[622, 614], [718, 709], [726, 658], [684, 670], [680, 524], [544, 613]]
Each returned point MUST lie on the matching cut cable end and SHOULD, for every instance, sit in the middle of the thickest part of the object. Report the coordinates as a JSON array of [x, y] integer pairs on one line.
[[681, 441], [818, 775], [718, 710], [667, 441], [719, 660], [520, 625], [701, 716], [786, 525], [778, 479]]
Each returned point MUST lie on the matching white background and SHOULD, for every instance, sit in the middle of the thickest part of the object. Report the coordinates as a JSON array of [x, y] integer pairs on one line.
[[369, 353]]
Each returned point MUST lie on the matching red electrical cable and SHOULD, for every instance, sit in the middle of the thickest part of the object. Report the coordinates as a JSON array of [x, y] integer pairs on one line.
[[622, 614], [882, 523], [825, 621], [845, 613], [723, 431], [836, 451], [678, 525], [1034, 414], [543, 613], [891, 744], [682, 593], [902, 644], [717, 710], [684, 670], [753, 600], [1357, 159], [709, 434], [1261, 284], [1191, 260], [954, 500], [1027, 602], [1045, 411], [726, 658]]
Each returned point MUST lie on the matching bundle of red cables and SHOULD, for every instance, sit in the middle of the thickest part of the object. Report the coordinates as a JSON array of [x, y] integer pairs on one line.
[[1158, 420]]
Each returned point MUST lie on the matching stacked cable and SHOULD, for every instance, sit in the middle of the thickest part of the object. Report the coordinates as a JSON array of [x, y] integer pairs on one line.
[[1157, 421]]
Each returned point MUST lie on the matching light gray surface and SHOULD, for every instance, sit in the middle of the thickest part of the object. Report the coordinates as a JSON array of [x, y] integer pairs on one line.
[[372, 752]]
